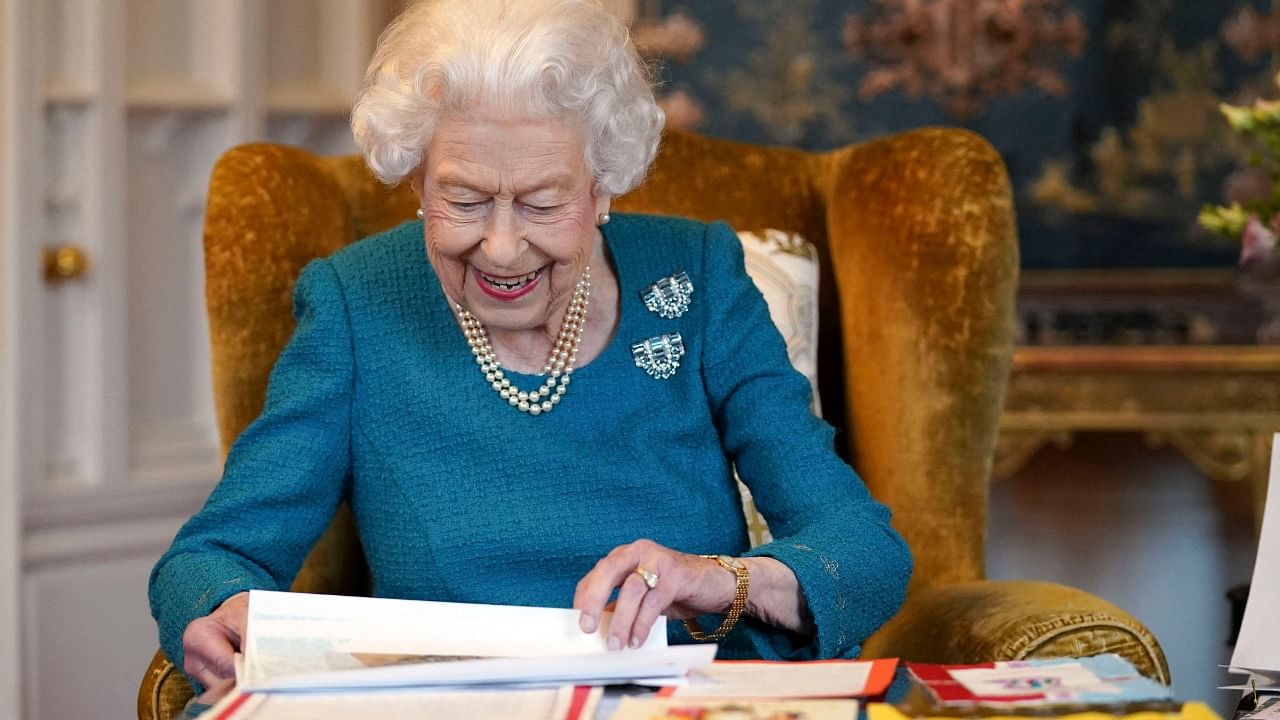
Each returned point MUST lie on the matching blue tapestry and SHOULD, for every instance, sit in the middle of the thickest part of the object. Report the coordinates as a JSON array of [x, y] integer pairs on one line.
[[1106, 111]]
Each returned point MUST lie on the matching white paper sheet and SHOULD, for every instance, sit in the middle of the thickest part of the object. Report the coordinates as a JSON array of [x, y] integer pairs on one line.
[[1253, 679], [1258, 647], [776, 680], [293, 633]]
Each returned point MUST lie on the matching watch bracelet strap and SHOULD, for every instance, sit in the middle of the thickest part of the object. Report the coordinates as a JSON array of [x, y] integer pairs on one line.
[[735, 610]]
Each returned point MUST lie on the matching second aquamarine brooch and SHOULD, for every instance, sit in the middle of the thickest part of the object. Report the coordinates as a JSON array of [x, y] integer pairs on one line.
[[669, 297]]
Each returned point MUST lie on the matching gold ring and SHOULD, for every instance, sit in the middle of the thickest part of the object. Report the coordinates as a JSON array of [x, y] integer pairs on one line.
[[650, 578]]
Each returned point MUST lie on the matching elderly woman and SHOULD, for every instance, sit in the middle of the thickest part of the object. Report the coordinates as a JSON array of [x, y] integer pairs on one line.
[[527, 400]]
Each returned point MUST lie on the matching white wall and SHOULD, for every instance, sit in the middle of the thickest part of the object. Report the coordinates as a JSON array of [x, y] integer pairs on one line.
[[10, 499]]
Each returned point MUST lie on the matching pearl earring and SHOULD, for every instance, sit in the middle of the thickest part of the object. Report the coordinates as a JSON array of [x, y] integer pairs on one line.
[[602, 218], [421, 214]]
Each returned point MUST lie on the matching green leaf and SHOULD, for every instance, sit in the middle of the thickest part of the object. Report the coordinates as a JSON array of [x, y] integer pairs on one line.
[[1240, 118]]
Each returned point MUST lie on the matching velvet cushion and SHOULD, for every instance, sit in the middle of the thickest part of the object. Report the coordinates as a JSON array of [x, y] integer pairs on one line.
[[1014, 620]]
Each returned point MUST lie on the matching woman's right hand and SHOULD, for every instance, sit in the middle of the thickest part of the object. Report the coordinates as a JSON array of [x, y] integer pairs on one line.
[[211, 642]]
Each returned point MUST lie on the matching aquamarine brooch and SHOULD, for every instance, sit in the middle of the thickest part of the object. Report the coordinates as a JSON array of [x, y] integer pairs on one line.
[[669, 297], [659, 355]]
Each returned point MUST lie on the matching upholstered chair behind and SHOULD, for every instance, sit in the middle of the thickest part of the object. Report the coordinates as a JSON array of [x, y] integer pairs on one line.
[[919, 266]]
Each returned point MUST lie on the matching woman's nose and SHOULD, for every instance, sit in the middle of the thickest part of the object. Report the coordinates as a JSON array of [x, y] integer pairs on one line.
[[504, 241]]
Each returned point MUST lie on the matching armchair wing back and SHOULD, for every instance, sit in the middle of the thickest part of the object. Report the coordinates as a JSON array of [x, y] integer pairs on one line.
[[919, 263]]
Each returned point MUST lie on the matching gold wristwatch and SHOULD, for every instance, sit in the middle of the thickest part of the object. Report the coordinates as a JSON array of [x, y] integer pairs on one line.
[[735, 566]]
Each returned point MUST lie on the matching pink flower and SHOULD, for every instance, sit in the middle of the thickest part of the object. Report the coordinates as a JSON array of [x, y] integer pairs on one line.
[[1257, 243], [683, 110], [677, 36]]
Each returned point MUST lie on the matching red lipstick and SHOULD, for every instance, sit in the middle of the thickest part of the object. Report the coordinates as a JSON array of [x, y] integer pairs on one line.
[[503, 294]]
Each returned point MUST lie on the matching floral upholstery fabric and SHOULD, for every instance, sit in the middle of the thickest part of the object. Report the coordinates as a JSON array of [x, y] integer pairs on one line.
[[785, 268]]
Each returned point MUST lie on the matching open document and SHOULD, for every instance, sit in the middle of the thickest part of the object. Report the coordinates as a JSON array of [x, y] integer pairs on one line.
[[323, 656], [300, 642]]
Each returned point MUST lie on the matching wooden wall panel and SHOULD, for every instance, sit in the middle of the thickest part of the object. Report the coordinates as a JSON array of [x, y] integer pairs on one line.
[[113, 115]]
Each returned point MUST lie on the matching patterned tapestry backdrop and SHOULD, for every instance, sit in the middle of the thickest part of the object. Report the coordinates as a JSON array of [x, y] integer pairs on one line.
[[1105, 110]]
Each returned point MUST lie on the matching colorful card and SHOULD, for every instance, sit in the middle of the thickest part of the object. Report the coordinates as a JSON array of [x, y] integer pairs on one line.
[[1102, 679]]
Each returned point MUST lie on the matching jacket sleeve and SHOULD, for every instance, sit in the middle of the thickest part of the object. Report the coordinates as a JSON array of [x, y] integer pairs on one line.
[[283, 479], [852, 566]]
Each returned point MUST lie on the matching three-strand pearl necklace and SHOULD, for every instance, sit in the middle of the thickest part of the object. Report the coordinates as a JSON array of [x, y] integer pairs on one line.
[[559, 367]]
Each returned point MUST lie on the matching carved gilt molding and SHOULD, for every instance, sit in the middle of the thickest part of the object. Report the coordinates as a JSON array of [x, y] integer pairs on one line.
[[1225, 456], [1015, 447], [1217, 405]]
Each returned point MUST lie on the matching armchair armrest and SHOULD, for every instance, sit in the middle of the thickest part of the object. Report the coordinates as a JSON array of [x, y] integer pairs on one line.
[[1013, 620], [164, 691], [336, 565]]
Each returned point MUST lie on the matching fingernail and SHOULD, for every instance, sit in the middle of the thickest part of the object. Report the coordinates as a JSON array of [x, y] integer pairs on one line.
[[635, 642], [614, 643], [587, 623]]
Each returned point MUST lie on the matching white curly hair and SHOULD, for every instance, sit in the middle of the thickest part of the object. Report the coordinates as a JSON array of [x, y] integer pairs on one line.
[[567, 60]]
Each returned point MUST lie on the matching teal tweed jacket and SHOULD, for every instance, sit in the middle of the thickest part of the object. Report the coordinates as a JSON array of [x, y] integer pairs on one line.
[[459, 497]]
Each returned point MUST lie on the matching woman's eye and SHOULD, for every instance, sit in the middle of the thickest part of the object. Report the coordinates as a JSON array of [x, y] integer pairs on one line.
[[466, 206], [541, 209]]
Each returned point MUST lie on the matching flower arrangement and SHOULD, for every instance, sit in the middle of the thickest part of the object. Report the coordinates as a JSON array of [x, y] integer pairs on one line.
[[1253, 217]]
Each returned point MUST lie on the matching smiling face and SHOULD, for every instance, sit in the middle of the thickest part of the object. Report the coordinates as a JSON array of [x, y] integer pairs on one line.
[[510, 218]]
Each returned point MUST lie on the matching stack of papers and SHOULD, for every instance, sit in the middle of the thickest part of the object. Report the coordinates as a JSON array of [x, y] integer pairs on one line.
[[322, 657]]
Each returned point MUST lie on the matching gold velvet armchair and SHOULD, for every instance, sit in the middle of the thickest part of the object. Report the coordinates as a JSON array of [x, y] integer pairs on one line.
[[919, 269]]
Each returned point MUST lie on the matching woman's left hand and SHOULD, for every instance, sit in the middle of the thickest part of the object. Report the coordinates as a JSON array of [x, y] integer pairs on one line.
[[686, 586]]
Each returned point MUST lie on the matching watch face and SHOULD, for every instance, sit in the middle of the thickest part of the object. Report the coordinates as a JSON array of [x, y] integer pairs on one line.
[[732, 562]]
